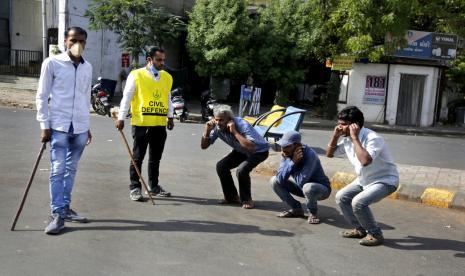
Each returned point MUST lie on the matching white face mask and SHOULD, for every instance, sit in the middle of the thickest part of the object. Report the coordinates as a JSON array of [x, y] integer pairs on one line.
[[76, 50]]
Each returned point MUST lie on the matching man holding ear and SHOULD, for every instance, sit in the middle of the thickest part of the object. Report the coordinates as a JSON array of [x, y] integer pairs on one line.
[[308, 178], [148, 92], [249, 150], [376, 171]]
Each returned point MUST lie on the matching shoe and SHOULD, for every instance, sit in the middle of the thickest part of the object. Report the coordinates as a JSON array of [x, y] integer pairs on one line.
[[72, 216], [159, 191], [135, 194], [354, 234], [372, 240], [291, 213], [56, 225]]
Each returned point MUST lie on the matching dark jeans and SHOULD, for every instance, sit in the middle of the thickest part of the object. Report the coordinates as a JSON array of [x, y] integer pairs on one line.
[[245, 165], [144, 136]]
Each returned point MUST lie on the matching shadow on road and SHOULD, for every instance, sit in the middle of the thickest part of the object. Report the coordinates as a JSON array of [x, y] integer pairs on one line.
[[423, 243], [180, 226], [328, 215]]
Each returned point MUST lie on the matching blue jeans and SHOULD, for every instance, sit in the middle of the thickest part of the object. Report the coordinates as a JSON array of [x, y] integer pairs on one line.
[[65, 151], [311, 191], [354, 200]]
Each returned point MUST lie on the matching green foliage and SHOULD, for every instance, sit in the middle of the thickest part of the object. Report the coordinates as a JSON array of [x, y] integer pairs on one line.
[[137, 22], [218, 36], [361, 26], [457, 73], [283, 41]]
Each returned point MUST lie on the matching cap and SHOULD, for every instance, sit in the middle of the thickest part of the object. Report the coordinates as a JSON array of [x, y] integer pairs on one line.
[[289, 138]]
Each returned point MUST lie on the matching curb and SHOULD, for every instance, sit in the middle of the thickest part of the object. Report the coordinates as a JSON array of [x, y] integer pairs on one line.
[[437, 197]]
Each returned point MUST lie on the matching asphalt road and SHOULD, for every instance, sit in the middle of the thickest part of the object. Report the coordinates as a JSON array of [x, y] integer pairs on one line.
[[189, 234]]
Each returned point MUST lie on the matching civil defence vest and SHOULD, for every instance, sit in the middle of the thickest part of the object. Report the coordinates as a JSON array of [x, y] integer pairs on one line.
[[149, 105]]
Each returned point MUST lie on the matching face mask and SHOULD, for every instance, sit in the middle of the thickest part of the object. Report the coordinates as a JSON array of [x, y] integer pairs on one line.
[[76, 50]]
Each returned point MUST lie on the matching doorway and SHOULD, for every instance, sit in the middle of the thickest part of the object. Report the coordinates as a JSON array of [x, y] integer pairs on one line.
[[410, 100]]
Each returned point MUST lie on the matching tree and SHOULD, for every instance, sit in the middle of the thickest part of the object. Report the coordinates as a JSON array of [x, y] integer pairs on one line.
[[282, 43], [137, 22], [218, 35]]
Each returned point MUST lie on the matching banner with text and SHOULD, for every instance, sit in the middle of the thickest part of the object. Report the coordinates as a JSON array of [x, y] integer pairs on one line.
[[375, 90]]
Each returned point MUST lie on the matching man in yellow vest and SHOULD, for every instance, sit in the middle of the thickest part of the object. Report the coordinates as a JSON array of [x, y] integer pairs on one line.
[[147, 91]]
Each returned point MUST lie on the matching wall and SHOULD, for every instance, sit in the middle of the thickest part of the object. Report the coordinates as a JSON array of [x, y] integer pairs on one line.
[[375, 113], [26, 23], [357, 78], [429, 93]]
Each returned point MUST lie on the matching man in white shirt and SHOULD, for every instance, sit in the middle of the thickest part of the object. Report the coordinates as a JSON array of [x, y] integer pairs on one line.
[[147, 92], [63, 102], [376, 171]]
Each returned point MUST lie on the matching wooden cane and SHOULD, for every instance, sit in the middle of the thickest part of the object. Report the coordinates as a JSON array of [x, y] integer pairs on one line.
[[26, 191], [132, 160]]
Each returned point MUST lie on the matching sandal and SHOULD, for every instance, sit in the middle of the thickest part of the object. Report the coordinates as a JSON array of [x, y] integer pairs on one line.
[[248, 204], [292, 213], [372, 240], [353, 234], [313, 219]]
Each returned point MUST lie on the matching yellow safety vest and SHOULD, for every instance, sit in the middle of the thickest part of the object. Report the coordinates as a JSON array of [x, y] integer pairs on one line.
[[149, 105]]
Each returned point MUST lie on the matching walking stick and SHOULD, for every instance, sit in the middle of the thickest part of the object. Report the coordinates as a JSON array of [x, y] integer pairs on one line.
[[133, 161], [26, 191], [135, 165]]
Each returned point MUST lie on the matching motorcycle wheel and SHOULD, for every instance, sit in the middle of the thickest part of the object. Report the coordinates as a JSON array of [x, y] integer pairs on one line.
[[98, 107]]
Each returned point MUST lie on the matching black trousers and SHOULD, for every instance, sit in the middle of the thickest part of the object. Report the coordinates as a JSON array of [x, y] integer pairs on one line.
[[154, 137], [244, 165]]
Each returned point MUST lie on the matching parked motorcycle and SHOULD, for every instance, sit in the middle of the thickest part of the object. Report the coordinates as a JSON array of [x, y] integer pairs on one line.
[[179, 105], [100, 99], [207, 104]]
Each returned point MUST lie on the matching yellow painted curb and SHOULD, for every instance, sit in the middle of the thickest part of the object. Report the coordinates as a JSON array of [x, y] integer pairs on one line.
[[437, 197], [341, 179]]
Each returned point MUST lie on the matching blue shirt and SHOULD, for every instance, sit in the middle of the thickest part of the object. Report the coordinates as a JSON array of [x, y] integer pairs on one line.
[[246, 130], [382, 168], [308, 170]]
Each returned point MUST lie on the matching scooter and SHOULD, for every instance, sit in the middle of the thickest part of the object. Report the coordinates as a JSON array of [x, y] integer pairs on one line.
[[100, 99], [207, 104], [179, 105]]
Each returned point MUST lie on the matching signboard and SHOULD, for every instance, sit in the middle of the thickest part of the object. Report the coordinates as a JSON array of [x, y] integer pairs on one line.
[[375, 90], [444, 46], [342, 63], [426, 45], [125, 60]]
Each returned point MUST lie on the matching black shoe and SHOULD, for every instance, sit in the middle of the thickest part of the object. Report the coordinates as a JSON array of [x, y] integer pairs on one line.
[[159, 191]]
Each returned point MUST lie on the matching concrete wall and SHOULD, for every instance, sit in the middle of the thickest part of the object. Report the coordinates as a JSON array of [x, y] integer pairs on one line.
[[5, 9], [429, 93], [375, 113], [26, 23], [357, 78]]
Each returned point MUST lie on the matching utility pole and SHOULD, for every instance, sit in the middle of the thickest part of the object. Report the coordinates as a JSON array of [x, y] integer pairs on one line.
[[44, 29]]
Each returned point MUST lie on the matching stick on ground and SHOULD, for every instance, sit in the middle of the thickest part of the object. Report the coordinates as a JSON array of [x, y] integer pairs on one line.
[[26, 191]]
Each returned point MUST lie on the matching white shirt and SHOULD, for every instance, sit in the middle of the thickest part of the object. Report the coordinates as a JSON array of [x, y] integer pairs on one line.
[[382, 169], [128, 94], [68, 88]]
